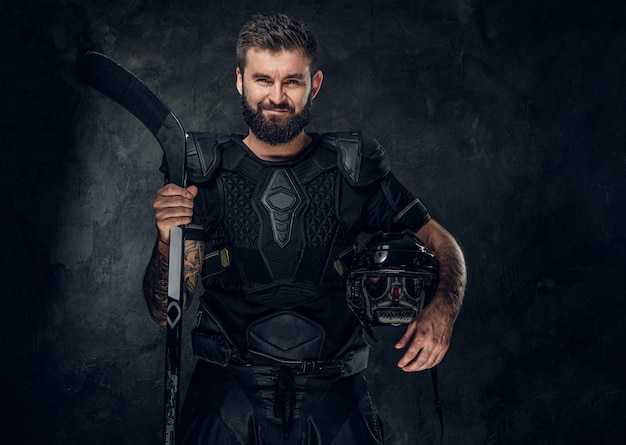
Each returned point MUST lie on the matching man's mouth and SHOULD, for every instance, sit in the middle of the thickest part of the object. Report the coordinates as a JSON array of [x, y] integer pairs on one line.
[[278, 108]]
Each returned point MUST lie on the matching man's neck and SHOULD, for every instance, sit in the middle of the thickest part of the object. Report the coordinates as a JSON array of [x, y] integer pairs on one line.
[[268, 152]]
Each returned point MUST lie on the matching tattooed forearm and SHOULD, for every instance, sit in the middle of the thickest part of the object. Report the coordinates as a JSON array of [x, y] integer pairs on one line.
[[452, 271], [156, 276], [194, 253], [155, 285], [452, 275]]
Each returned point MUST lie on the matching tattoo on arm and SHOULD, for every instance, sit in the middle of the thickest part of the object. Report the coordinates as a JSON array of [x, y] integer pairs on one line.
[[194, 254], [452, 274], [156, 276], [155, 285]]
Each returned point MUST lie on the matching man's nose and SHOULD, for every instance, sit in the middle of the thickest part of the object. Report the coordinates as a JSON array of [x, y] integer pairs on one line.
[[277, 93]]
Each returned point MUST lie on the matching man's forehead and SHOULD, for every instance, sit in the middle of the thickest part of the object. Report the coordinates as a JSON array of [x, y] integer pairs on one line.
[[293, 60]]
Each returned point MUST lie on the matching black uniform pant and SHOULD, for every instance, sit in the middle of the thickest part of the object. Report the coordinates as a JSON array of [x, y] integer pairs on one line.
[[266, 405]]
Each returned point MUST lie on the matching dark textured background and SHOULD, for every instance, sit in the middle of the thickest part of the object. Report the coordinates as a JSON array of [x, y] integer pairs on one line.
[[505, 117]]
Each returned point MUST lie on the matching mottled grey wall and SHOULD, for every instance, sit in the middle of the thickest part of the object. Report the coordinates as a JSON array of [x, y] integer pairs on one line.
[[505, 117]]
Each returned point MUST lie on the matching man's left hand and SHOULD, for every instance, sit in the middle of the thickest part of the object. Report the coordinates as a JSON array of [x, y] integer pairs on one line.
[[427, 337]]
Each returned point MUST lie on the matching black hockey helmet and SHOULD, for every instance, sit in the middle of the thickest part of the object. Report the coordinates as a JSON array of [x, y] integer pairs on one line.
[[389, 279]]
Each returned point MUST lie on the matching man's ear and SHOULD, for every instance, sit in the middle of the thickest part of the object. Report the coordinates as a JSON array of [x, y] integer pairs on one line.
[[239, 74], [316, 83]]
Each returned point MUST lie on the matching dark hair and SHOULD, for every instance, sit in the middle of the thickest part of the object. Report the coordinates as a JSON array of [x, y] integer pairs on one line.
[[276, 32]]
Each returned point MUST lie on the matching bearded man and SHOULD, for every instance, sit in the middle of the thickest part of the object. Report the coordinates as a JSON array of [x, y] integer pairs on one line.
[[280, 354]]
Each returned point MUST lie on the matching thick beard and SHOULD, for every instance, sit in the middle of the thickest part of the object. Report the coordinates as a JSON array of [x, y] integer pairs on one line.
[[274, 131]]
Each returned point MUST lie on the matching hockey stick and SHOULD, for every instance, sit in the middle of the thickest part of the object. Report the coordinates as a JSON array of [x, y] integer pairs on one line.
[[107, 76]]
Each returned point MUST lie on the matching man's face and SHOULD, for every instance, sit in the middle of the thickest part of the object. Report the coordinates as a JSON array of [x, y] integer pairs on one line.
[[277, 90]]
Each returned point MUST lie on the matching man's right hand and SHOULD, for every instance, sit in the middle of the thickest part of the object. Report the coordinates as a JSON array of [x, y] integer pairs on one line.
[[173, 207]]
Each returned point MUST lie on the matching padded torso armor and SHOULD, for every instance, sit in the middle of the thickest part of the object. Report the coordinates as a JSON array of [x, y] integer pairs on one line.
[[273, 229]]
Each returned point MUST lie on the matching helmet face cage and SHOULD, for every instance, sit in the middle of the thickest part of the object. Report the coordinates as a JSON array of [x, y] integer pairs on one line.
[[393, 277]]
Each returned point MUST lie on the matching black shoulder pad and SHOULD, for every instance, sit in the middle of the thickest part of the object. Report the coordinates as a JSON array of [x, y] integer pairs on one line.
[[360, 157], [204, 155]]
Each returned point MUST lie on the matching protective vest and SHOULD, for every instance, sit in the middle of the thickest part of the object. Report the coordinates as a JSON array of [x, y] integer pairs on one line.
[[272, 231], [280, 224]]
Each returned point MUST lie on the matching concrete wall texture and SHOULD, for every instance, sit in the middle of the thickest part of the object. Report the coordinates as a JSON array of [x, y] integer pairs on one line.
[[506, 118]]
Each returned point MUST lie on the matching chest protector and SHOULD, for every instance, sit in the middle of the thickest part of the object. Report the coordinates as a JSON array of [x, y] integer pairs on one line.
[[280, 223]]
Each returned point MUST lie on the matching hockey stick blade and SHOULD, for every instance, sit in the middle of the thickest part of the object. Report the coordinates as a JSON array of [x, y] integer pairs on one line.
[[119, 84], [122, 86]]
